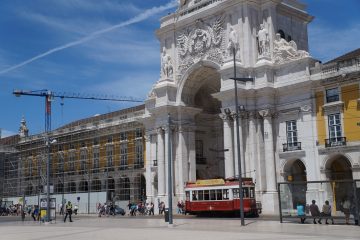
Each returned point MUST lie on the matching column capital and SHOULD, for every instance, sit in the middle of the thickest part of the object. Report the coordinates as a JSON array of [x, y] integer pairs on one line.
[[267, 113]]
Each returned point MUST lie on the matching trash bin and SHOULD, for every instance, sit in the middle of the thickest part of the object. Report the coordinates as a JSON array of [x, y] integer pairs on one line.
[[166, 214]]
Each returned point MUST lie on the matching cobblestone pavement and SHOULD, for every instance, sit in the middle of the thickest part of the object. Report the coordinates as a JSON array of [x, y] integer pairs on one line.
[[183, 228]]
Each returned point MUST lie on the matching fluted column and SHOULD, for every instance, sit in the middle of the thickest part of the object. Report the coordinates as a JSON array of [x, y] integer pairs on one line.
[[269, 150], [252, 143], [148, 161], [182, 163], [161, 162], [192, 155], [228, 146]]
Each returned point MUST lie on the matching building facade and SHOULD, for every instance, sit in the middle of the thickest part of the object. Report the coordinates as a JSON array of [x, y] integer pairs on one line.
[[92, 161], [288, 130]]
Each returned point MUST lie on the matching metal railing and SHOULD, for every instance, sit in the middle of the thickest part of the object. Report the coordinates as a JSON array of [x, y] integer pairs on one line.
[[335, 142], [294, 146]]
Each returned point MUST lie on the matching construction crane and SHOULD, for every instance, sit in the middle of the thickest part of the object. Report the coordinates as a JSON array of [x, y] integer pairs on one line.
[[49, 96]]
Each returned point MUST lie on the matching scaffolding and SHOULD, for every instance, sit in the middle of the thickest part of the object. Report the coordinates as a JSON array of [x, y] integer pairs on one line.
[[93, 160]]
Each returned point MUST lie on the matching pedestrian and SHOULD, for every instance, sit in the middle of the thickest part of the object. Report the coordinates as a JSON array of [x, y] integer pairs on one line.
[[35, 213], [61, 206], [315, 212], [346, 209], [151, 208], [326, 213], [68, 208], [301, 213]]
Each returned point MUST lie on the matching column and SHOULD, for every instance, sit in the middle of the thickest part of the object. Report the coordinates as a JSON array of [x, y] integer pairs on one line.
[[236, 163], [161, 163], [148, 159], [252, 145], [182, 161], [192, 155], [228, 146], [269, 150]]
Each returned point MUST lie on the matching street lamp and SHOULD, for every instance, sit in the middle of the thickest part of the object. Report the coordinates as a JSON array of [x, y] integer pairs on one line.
[[170, 171], [48, 144], [241, 197]]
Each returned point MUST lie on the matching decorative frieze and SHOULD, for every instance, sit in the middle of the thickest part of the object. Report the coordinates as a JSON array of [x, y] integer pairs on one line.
[[202, 42]]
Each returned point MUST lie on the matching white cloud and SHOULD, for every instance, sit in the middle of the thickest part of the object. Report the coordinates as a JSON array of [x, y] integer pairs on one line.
[[327, 43]]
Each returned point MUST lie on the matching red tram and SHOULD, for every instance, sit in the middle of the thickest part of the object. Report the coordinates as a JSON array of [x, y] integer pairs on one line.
[[219, 195]]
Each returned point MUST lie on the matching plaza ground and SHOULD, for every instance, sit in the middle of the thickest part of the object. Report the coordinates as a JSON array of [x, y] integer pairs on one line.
[[91, 227]]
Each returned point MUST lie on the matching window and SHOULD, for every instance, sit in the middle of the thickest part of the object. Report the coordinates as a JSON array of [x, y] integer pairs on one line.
[[138, 133], [83, 159], [199, 150], [109, 156], [212, 195], [226, 194], [187, 194], [123, 136], [123, 155], [139, 154], [61, 162], [291, 132], [96, 141], [219, 194], [72, 162], [334, 127], [110, 139], [96, 156], [332, 95]]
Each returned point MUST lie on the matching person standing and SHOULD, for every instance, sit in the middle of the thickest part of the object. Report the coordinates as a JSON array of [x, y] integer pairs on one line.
[[68, 208], [315, 212]]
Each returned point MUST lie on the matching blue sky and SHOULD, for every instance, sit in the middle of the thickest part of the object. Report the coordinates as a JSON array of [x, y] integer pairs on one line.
[[121, 62]]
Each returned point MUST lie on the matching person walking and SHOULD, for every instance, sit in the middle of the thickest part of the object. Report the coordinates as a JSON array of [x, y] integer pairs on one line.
[[68, 208], [346, 209], [35, 213], [315, 212]]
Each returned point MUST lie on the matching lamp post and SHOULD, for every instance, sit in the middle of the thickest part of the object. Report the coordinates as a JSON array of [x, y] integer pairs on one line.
[[48, 144], [169, 173], [241, 196]]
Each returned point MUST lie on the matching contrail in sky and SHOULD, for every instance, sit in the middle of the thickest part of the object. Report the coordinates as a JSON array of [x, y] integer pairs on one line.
[[146, 14]]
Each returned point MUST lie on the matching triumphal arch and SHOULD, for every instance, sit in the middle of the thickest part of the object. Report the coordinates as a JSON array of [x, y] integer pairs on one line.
[[195, 88]]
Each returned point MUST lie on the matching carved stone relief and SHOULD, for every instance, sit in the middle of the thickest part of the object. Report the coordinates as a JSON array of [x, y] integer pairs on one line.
[[286, 51], [202, 42], [263, 42], [166, 65]]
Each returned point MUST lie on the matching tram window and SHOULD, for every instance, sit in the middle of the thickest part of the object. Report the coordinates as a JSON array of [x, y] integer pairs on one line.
[[187, 195], [225, 194], [252, 192], [201, 195], [246, 192], [194, 197], [219, 194], [212, 195], [206, 195], [236, 193]]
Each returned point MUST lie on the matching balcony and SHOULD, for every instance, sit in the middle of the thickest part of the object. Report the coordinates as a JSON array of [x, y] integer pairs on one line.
[[335, 142], [155, 163], [294, 146]]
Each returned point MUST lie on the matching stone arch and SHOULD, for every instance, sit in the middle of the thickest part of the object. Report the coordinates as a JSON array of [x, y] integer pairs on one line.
[[196, 68], [124, 188], [338, 167], [96, 185], [83, 186], [71, 187], [294, 170]]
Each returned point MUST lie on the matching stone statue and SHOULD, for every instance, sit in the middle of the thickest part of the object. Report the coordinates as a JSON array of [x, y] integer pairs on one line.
[[286, 51], [233, 41], [166, 64], [263, 41], [23, 130]]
